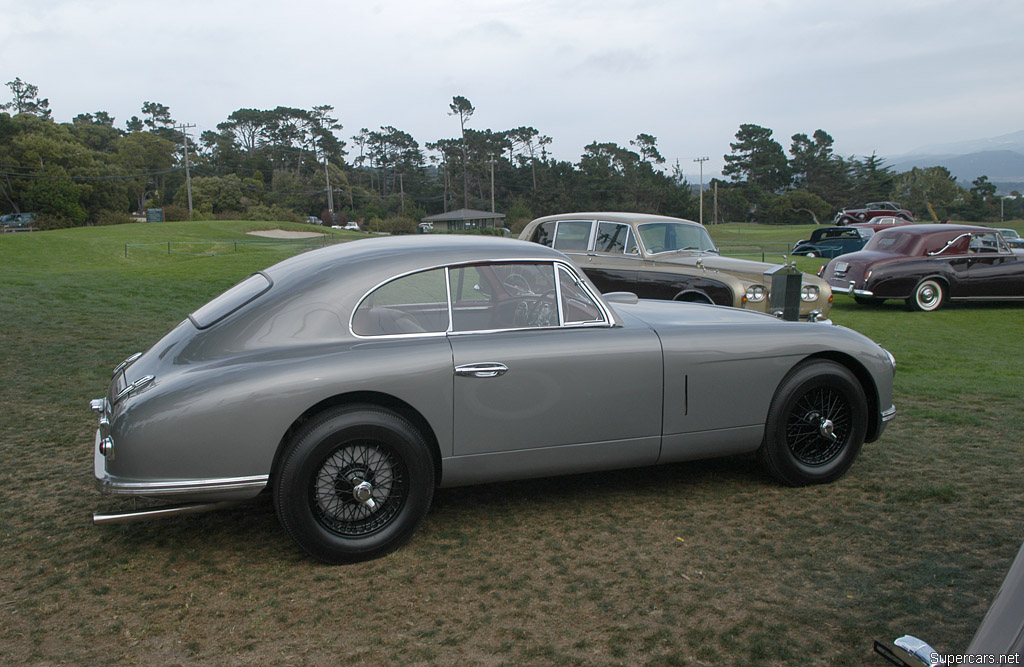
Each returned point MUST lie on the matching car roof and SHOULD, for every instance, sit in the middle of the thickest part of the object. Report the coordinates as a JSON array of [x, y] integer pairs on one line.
[[614, 216], [923, 230], [377, 259]]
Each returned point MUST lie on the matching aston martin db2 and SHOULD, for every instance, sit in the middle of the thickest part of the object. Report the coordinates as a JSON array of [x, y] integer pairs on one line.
[[352, 381]]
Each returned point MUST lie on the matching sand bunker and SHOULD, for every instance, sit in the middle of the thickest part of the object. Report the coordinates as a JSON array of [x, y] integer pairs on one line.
[[283, 234]]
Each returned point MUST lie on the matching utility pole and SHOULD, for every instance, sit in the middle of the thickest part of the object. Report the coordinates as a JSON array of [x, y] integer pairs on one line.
[[188, 176], [715, 218], [330, 193], [401, 190], [492, 183], [701, 161]]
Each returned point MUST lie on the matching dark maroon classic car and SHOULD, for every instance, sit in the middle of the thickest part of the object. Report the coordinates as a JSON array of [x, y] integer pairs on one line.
[[926, 265], [875, 209]]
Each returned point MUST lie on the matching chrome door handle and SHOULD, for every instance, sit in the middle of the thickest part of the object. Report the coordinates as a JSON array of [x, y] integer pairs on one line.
[[487, 369]]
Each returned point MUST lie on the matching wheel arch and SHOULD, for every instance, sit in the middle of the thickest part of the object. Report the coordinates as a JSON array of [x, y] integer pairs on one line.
[[866, 382], [370, 399]]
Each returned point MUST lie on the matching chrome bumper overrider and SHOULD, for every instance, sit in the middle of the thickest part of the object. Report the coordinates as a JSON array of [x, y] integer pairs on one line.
[[848, 288], [890, 414]]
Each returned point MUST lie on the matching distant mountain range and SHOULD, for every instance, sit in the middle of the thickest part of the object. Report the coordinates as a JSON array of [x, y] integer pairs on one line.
[[1000, 158]]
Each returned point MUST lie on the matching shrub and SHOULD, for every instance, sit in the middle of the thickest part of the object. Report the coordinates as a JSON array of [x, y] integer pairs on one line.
[[112, 218], [269, 213]]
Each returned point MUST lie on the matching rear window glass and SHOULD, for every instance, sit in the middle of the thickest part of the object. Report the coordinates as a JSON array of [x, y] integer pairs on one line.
[[895, 242], [231, 300]]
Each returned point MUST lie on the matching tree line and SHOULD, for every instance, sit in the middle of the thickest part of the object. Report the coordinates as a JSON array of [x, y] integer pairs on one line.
[[289, 163]]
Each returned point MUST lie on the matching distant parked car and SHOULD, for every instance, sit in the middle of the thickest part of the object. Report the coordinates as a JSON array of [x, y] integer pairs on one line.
[[833, 241], [848, 216], [658, 257], [1012, 238], [313, 220], [18, 220], [881, 222], [349, 382], [926, 265]]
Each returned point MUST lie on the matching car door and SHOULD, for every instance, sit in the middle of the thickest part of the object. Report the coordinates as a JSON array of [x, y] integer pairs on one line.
[[613, 262], [994, 270], [562, 390]]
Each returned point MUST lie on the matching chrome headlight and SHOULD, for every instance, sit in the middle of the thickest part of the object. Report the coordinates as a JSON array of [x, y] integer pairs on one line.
[[756, 293], [809, 293]]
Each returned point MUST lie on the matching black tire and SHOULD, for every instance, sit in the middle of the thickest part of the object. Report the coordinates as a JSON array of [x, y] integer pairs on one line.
[[928, 296], [343, 454], [816, 425], [844, 220]]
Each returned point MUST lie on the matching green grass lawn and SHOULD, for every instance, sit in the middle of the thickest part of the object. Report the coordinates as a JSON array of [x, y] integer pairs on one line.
[[706, 563]]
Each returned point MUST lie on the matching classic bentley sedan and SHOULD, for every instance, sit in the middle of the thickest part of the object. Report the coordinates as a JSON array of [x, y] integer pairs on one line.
[[927, 265], [351, 381], [658, 257]]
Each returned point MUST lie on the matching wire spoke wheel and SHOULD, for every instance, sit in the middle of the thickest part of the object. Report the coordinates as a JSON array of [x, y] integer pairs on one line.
[[819, 426], [816, 424], [358, 489], [354, 483]]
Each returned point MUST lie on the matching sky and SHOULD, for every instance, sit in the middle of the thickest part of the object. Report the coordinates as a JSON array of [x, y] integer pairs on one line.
[[883, 77]]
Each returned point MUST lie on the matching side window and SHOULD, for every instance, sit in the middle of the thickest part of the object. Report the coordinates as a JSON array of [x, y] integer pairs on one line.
[[573, 235], [612, 238], [544, 234], [984, 243], [514, 295], [416, 303], [577, 305]]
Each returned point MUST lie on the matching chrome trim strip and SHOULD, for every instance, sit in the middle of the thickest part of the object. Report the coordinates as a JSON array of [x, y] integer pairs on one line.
[[138, 384], [182, 486], [890, 414], [99, 519], [126, 363]]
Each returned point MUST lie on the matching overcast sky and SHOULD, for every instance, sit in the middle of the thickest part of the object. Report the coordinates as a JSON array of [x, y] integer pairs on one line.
[[879, 76]]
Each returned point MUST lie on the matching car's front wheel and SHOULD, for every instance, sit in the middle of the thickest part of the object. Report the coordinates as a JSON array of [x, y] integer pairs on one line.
[[816, 425], [927, 296], [354, 484]]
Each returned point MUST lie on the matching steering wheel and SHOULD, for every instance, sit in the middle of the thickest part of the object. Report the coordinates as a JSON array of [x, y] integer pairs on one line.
[[517, 284], [543, 312]]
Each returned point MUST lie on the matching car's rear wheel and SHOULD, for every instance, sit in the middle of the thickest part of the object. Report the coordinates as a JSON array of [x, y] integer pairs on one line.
[[927, 296], [812, 254], [816, 425], [354, 484]]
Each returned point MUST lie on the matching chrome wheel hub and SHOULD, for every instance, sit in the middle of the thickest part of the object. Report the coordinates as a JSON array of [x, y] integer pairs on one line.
[[363, 492]]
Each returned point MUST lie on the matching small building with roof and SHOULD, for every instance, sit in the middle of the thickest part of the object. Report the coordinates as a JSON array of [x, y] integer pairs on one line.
[[464, 219]]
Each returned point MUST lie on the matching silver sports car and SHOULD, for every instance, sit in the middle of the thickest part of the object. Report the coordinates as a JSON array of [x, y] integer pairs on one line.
[[350, 382]]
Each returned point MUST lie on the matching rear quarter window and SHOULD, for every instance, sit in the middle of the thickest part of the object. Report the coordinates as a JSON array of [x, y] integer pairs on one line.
[[244, 292]]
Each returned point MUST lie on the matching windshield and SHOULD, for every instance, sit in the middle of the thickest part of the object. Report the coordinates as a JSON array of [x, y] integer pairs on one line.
[[671, 236]]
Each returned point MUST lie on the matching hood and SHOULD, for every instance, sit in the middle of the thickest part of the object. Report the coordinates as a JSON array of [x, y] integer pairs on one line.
[[654, 312], [714, 262]]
